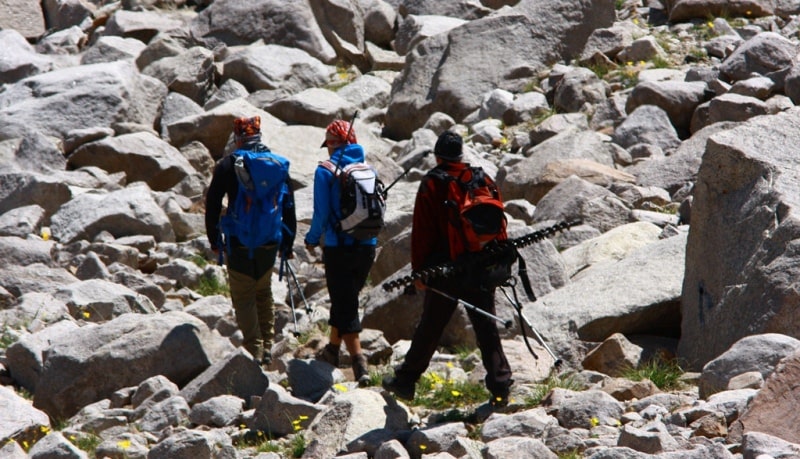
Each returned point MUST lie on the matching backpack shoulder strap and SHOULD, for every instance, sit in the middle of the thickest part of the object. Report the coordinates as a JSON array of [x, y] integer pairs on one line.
[[440, 174]]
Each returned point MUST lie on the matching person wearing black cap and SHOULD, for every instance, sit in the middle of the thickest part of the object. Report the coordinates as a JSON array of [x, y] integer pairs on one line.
[[429, 247], [249, 274]]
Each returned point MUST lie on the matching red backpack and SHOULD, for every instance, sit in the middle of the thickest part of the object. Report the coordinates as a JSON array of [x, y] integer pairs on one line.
[[476, 211]]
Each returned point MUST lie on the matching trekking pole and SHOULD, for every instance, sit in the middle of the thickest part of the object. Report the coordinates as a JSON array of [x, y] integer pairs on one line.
[[285, 262], [472, 307], [299, 288], [523, 319], [405, 172]]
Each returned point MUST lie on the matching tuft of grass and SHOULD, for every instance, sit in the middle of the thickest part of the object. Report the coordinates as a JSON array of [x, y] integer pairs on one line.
[[298, 445], [260, 440], [7, 337], [705, 31], [268, 446], [199, 260], [628, 76], [600, 69], [664, 373], [210, 285], [376, 377], [86, 442], [435, 392], [544, 115], [574, 454], [554, 381], [661, 62], [531, 85]]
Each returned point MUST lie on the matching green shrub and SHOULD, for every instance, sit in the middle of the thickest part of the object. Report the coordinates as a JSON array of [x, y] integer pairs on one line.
[[298, 445], [7, 337], [664, 373], [211, 285], [434, 391]]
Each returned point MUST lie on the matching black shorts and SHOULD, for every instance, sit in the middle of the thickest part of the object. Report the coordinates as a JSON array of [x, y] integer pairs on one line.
[[346, 271]]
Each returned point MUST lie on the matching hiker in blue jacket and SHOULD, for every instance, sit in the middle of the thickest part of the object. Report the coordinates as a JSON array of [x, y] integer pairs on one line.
[[249, 271], [347, 260]]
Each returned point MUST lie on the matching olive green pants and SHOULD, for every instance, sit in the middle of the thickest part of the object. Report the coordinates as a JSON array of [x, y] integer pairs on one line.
[[252, 300]]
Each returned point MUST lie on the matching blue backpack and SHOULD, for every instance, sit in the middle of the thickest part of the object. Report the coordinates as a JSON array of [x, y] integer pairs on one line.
[[256, 217]]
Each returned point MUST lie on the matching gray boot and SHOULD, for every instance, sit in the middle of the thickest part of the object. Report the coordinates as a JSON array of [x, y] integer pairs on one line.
[[360, 370]]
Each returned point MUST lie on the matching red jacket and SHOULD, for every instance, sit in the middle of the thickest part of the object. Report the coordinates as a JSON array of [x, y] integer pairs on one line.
[[429, 240]]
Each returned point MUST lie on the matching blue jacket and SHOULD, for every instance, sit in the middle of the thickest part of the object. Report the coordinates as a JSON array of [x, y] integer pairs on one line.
[[326, 201]]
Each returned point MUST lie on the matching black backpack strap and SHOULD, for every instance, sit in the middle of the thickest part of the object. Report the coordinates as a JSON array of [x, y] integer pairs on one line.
[[522, 272]]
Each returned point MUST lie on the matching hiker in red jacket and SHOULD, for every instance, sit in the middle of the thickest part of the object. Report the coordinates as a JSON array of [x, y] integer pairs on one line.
[[430, 246]]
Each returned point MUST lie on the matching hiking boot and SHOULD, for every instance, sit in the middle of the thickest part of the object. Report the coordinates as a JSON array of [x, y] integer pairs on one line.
[[398, 388], [329, 354], [499, 401], [500, 398], [360, 370], [266, 360]]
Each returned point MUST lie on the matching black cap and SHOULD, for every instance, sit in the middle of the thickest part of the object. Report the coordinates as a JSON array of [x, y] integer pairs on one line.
[[449, 146]]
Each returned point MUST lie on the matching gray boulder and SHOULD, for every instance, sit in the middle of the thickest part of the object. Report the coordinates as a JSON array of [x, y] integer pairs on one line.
[[448, 61], [128, 212], [739, 277], [290, 24], [141, 156], [759, 353], [97, 360], [60, 101]]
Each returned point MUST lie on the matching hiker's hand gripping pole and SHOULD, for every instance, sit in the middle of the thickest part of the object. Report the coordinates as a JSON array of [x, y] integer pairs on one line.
[[472, 307]]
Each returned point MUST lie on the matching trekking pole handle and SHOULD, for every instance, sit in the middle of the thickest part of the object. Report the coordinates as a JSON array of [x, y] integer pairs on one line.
[[350, 129]]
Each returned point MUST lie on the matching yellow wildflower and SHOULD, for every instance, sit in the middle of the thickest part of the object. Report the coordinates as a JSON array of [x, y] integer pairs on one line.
[[594, 422], [44, 429], [340, 387], [124, 444], [455, 393], [710, 24], [297, 427], [423, 447], [636, 21], [449, 364], [302, 417], [629, 63], [86, 314]]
